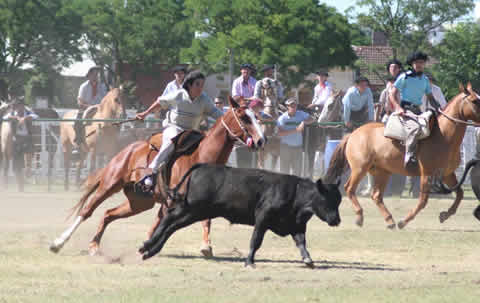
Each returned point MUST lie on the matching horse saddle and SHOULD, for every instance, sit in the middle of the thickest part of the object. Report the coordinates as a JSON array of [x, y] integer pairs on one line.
[[90, 112], [184, 143], [399, 125]]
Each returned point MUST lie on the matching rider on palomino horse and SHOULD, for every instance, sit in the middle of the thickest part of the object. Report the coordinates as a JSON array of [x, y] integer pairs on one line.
[[412, 85], [322, 91], [268, 73], [91, 92], [189, 106]]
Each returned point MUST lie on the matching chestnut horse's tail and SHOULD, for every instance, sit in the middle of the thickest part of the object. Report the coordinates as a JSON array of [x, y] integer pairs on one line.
[[91, 185], [445, 190], [338, 162]]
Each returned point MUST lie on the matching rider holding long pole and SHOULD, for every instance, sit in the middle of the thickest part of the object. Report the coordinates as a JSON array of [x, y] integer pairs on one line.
[[189, 106]]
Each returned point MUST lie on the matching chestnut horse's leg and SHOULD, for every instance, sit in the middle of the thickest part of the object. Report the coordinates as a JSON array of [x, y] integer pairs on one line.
[[67, 153], [351, 187], [451, 181], [125, 210], [206, 248], [381, 178], [424, 193]]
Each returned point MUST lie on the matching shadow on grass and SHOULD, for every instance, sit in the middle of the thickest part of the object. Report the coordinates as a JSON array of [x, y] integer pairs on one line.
[[323, 264]]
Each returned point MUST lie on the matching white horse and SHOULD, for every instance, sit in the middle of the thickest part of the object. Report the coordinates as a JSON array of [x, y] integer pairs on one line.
[[269, 95]]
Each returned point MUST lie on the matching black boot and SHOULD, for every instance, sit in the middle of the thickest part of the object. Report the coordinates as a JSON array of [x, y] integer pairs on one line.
[[146, 185]]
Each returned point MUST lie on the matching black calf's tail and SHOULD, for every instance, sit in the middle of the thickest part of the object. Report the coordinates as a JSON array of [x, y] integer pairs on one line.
[[338, 162], [468, 166]]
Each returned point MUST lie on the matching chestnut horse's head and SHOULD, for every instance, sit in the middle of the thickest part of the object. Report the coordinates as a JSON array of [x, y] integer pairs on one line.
[[241, 124], [472, 100]]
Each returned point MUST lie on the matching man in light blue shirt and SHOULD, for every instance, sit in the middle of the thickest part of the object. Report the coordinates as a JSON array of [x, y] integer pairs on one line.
[[290, 130], [412, 85], [358, 104]]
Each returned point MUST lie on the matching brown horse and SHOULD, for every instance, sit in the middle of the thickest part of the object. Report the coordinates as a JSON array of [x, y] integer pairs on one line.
[[100, 136], [238, 124], [367, 150]]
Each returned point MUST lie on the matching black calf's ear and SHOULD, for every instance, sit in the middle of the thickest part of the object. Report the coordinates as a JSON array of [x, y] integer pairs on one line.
[[321, 188]]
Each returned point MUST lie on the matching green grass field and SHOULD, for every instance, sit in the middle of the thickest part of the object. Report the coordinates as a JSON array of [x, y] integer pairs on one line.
[[426, 262]]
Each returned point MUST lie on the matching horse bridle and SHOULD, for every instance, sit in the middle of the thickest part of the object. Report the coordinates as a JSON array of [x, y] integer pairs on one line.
[[462, 119], [240, 124]]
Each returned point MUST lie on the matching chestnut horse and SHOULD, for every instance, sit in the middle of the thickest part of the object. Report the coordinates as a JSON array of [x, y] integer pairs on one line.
[[238, 124], [367, 150], [111, 107]]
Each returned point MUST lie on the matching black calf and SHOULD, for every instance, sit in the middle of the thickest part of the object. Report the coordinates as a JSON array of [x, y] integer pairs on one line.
[[266, 200]]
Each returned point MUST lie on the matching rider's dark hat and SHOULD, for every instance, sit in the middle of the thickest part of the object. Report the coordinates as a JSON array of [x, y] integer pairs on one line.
[[361, 79], [267, 67], [418, 55], [92, 69], [322, 73], [247, 66], [394, 61], [179, 68]]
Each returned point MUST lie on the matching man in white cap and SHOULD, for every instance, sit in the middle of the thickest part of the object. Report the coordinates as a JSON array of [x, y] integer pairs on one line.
[[91, 92]]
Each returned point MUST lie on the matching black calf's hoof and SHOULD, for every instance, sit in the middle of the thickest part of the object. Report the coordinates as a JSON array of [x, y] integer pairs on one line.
[[476, 213]]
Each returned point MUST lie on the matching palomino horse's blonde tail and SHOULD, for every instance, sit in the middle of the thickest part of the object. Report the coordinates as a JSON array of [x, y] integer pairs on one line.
[[91, 185], [338, 162]]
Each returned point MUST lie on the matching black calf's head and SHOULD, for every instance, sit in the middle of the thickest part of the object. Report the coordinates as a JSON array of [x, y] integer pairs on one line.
[[326, 206]]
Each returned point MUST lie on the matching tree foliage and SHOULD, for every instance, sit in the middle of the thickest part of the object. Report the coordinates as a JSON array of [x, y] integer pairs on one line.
[[29, 29], [141, 33], [291, 33], [407, 23], [459, 58]]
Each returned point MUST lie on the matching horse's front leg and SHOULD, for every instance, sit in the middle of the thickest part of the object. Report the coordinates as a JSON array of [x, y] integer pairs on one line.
[[451, 181], [424, 193], [206, 248]]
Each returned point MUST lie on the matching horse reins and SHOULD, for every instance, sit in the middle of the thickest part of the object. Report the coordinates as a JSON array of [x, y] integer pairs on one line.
[[230, 132], [461, 112]]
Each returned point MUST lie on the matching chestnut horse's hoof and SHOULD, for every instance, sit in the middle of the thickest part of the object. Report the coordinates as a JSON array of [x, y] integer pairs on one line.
[[93, 249], [443, 216], [309, 263], [359, 221], [401, 224], [250, 265], [476, 213], [206, 251], [392, 226], [55, 248]]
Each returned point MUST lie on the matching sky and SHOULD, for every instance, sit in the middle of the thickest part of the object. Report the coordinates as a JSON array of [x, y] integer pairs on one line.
[[81, 68]]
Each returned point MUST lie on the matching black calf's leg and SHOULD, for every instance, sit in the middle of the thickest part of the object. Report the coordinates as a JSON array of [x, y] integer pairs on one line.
[[299, 239], [176, 219], [255, 242]]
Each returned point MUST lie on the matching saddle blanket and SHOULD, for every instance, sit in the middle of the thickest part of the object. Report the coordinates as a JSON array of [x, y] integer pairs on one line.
[[399, 125]]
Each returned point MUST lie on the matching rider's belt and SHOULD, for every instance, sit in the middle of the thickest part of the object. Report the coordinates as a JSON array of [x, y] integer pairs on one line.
[[411, 107]]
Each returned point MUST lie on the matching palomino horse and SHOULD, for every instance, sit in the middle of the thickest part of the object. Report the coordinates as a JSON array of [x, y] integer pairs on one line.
[[269, 96], [316, 136], [238, 124], [367, 150], [100, 136], [9, 147]]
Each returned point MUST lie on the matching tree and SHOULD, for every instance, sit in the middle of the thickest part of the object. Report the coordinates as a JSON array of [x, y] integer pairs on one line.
[[301, 36], [459, 58], [31, 28], [406, 23], [141, 33]]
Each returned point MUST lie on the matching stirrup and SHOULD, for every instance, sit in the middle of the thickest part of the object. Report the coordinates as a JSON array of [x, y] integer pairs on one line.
[[141, 188]]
